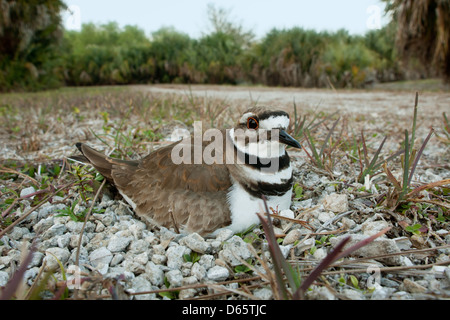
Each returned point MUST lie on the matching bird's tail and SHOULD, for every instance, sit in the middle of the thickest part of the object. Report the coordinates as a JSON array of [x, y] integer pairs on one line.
[[101, 162]]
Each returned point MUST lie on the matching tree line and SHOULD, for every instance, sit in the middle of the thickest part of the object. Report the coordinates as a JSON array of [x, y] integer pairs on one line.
[[40, 54]]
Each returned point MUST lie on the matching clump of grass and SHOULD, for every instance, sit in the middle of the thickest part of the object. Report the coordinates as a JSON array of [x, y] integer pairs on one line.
[[322, 158], [287, 283], [445, 130], [410, 160], [370, 168]]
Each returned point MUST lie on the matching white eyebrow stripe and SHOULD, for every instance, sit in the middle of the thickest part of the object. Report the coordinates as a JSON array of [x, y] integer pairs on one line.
[[245, 117], [275, 122]]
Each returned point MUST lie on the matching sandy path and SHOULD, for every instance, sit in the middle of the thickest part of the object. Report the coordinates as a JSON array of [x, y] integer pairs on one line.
[[370, 103]]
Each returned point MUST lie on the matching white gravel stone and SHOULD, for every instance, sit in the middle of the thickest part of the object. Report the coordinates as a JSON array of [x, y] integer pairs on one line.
[[292, 236], [263, 293], [142, 258], [154, 273], [304, 245], [100, 259], [233, 250], [175, 278], [37, 259], [218, 274], [352, 294], [4, 278], [74, 239], [207, 261], [43, 224], [320, 293], [159, 259], [198, 271], [138, 246], [27, 191], [447, 273], [142, 284], [285, 250], [348, 223], [74, 226], [373, 227], [132, 266], [117, 259], [325, 216], [175, 255], [338, 203], [84, 257], [62, 254], [18, 232], [413, 286], [63, 240], [118, 243], [100, 255], [319, 254], [380, 292], [187, 294], [287, 213], [224, 235], [377, 247], [196, 243]]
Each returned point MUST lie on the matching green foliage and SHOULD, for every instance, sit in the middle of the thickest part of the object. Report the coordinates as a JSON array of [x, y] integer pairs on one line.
[[192, 257], [225, 54], [30, 33]]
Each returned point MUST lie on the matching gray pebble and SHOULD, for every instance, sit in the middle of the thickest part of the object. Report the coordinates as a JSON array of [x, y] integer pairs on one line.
[[263, 293], [154, 273], [18, 232], [117, 259], [37, 259], [175, 255], [4, 278], [196, 243], [62, 254], [218, 274], [174, 277], [142, 284], [118, 244], [100, 256], [27, 191], [234, 250], [224, 235], [159, 259], [198, 271]]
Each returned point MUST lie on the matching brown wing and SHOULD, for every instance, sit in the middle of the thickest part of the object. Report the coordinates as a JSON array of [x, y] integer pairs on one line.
[[103, 163], [195, 194]]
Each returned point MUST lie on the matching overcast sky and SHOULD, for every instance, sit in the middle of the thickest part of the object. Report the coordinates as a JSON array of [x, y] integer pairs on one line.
[[190, 16]]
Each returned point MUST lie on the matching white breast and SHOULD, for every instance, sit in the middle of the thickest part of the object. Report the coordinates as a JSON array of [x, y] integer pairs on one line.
[[244, 207]]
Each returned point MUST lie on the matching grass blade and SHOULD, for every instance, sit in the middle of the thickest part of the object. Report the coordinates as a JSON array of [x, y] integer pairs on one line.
[[418, 155], [391, 178], [334, 255], [413, 134], [311, 145], [329, 259], [280, 263], [366, 158], [405, 168], [362, 243], [322, 150], [8, 292]]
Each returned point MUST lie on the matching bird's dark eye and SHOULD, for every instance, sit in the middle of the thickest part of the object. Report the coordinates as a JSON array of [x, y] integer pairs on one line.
[[252, 123]]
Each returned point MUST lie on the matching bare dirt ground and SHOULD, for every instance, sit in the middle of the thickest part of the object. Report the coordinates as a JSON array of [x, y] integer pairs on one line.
[[372, 103]]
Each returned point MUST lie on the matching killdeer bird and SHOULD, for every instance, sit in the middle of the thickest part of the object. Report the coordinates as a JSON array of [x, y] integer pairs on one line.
[[205, 197]]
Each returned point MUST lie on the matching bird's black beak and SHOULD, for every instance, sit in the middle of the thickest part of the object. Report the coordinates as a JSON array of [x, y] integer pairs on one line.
[[288, 140]]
